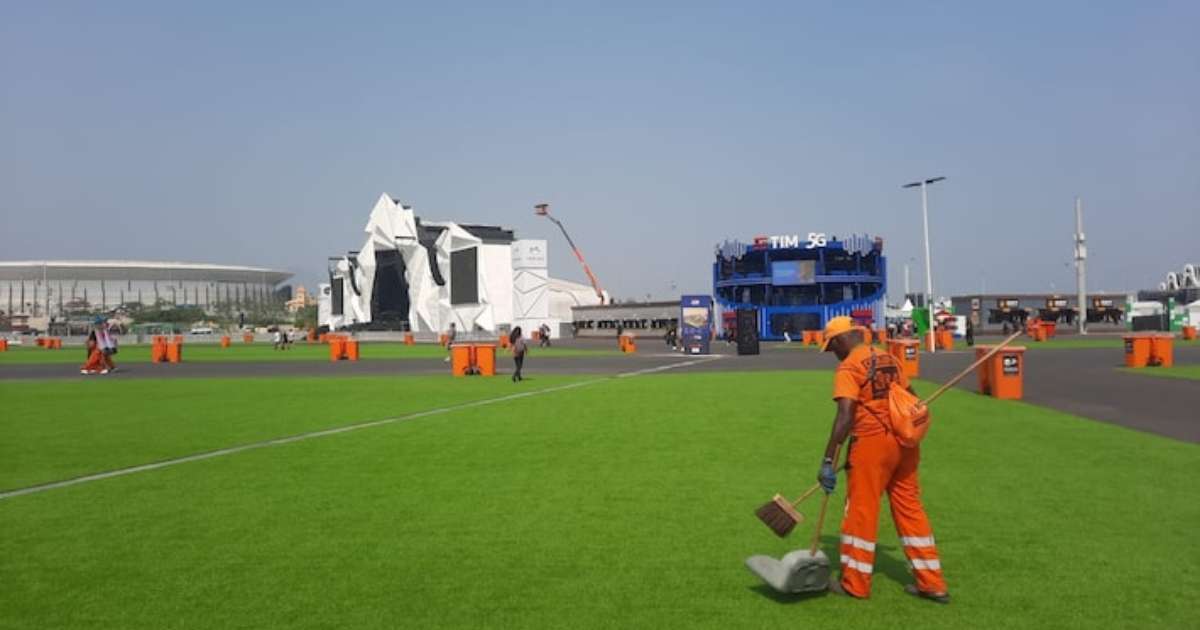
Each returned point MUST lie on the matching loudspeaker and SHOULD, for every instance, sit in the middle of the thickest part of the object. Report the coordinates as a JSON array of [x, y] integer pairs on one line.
[[747, 331]]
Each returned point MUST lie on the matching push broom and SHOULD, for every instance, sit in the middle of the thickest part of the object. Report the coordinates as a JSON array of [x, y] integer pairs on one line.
[[782, 516]]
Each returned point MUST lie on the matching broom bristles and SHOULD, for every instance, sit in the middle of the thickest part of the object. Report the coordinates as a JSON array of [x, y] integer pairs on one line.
[[779, 515]]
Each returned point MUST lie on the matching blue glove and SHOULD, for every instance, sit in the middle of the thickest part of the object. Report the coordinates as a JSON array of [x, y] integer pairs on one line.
[[827, 477]]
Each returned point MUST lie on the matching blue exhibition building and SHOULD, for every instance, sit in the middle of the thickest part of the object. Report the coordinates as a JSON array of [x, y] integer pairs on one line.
[[798, 283]]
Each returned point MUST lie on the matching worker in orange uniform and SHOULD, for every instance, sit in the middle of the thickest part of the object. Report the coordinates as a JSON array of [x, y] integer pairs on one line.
[[876, 464]]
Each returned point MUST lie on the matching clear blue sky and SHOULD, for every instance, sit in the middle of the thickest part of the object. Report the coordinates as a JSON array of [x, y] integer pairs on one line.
[[261, 133]]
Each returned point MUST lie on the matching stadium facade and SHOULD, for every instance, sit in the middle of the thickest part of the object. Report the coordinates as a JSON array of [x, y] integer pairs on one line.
[[53, 288], [420, 275], [798, 283]]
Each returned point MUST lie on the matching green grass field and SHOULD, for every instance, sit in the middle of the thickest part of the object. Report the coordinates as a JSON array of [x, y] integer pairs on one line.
[[619, 503], [265, 352]]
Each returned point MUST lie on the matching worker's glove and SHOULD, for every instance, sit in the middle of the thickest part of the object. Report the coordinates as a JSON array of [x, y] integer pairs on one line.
[[827, 477]]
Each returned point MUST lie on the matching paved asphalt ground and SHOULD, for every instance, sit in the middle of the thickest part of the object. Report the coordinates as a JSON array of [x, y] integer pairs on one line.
[[1084, 382]]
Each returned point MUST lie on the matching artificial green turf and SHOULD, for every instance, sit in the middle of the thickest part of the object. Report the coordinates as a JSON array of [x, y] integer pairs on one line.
[[265, 352], [1177, 371], [623, 504], [55, 430]]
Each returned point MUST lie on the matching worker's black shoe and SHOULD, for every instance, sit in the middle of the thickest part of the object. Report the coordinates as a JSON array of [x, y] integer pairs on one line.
[[941, 598]]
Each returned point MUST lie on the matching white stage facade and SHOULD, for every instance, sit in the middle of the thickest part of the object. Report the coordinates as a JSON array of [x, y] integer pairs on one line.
[[418, 275]]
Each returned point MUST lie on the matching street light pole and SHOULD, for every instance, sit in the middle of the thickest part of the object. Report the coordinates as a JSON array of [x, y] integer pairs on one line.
[[928, 264]]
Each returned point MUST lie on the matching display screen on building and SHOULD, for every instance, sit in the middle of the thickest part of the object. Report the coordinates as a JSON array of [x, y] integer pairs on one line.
[[793, 272], [336, 298], [464, 276]]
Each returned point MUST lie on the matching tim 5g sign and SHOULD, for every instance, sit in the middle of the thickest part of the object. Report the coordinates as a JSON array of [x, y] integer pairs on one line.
[[790, 241]]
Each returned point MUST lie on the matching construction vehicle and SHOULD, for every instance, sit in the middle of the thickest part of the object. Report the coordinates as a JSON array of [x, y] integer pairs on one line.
[[543, 209]]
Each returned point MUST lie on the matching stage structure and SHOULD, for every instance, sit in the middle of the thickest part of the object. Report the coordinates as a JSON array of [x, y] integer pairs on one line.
[[420, 275]]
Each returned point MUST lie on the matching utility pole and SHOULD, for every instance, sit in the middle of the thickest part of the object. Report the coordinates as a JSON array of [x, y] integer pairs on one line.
[[928, 264], [1080, 267]]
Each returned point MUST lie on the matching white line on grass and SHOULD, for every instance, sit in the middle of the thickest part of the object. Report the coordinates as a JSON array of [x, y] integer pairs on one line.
[[166, 463]]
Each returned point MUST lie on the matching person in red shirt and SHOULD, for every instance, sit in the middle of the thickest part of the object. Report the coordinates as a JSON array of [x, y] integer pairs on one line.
[[876, 464]]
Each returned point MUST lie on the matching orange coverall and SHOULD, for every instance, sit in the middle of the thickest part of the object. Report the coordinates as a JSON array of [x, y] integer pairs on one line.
[[95, 360], [877, 463]]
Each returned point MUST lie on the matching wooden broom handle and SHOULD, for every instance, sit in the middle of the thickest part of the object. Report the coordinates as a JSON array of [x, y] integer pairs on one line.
[[814, 488], [970, 368], [816, 541]]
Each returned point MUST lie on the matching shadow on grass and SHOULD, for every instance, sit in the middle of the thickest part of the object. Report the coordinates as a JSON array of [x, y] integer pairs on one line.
[[889, 562]]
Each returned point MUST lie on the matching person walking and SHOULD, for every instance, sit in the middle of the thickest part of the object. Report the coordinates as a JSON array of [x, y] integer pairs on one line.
[[544, 335], [451, 335], [95, 357], [107, 339], [970, 333], [876, 463], [517, 343]]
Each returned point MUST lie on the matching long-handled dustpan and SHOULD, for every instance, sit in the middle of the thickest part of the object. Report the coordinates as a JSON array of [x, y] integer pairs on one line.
[[800, 571]]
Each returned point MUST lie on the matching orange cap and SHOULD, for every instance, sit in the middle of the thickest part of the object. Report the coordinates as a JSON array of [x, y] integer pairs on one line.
[[837, 326]]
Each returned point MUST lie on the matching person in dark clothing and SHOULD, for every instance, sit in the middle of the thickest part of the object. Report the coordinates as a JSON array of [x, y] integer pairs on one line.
[[970, 333], [517, 343]]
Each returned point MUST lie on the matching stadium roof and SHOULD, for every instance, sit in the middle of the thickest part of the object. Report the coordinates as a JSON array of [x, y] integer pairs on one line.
[[136, 270]]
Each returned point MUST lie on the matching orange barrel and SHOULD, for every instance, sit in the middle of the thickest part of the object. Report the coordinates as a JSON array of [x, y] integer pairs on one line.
[[3, 345], [503, 341], [1189, 333], [247, 337], [1007, 373], [1137, 350], [930, 341], [158, 350], [628, 344], [40, 341], [984, 372], [351, 346], [174, 351], [408, 339], [818, 337], [337, 348], [225, 342], [945, 339], [485, 359], [1161, 352], [460, 359], [908, 354], [1051, 328]]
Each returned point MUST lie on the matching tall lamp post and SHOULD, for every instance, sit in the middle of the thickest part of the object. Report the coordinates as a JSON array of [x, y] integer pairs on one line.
[[928, 266]]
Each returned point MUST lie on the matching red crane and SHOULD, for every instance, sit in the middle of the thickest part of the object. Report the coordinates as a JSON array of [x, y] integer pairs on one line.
[[543, 209]]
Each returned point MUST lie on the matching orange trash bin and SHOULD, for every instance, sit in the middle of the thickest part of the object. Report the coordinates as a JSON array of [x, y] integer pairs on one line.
[[158, 350], [351, 349], [247, 337], [628, 344], [1006, 375], [460, 359], [3, 345], [503, 341], [1137, 351], [984, 371], [485, 359], [1050, 328], [225, 341], [945, 339], [1189, 333], [1161, 352], [408, 339], [337, 348], [175, 351], [908, 354]]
